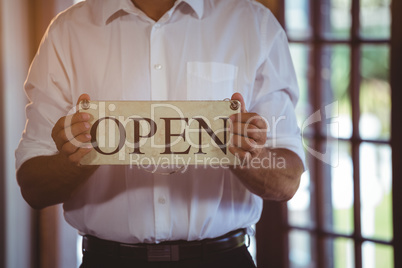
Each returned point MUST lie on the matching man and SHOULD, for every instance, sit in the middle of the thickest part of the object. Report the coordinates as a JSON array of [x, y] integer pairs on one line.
[[161, 50]]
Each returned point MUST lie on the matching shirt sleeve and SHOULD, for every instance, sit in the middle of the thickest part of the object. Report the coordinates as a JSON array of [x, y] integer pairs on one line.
[[276, 91], [47, 90]]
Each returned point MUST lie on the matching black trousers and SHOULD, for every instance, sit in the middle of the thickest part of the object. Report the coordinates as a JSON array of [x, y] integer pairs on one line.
[[236, 258]]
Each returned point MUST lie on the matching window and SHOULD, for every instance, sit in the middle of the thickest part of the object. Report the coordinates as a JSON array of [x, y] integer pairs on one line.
[[342, 214]]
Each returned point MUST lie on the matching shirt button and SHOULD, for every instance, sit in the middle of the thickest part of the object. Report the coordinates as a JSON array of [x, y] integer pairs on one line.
[[157, 25], [162, 200], [158, 66]]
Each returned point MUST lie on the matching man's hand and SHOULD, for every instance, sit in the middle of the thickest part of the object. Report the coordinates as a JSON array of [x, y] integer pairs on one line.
[[249, 135], [71, 133], [249, 132], [51, 179]]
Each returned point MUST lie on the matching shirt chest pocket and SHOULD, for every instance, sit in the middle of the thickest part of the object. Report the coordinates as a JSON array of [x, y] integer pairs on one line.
[[211, 80]]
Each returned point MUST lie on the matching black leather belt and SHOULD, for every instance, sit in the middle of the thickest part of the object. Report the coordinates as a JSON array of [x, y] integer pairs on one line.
[[165, 251]]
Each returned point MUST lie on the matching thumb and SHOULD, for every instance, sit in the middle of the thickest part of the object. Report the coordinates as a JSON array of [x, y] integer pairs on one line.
[[83, 97], [239, 97]]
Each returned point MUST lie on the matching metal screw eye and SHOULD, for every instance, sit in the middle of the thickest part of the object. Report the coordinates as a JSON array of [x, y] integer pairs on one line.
[[85, 104], [234, 105]]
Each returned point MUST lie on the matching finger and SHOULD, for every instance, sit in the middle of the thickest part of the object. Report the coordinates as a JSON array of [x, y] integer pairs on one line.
[[239, 97], [251, 132], [80, 142], [70, 133], [69, 120], [62, 134], [249, 118], [247, 130], [73, 118], [83, 97], [244, 143]]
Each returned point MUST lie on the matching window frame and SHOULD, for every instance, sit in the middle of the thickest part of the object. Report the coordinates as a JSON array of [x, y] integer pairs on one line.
[[273, 228], [396, 127]]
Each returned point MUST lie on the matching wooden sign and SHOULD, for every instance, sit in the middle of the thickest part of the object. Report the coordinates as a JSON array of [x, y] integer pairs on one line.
[[155, 133]]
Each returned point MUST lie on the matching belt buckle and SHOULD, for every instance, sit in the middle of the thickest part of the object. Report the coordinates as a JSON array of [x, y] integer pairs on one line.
[[162, 253]]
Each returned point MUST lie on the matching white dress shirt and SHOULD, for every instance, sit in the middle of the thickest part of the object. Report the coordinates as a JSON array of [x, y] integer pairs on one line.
[[199, 50]]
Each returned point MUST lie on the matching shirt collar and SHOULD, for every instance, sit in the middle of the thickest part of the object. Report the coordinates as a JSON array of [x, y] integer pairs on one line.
[[111, 7], [197, 6]]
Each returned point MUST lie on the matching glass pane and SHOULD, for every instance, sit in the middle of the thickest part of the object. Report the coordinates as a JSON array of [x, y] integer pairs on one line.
[[300, 56], [336, 19], [340, 197], [335, 74], [341, 253], [297, 19], [300, 250], [377, 255], [375, 19], [376, 191], [375, 93], [299, 207]]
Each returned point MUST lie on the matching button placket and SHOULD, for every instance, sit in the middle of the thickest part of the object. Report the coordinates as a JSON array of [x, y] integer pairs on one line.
[[161, 207], [162, 200], [159, 89]]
